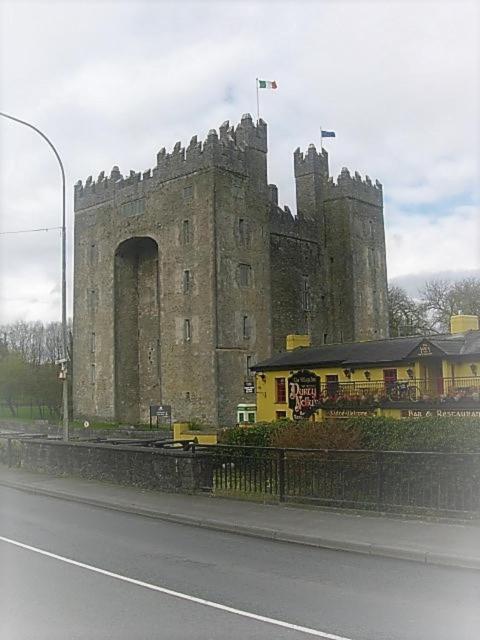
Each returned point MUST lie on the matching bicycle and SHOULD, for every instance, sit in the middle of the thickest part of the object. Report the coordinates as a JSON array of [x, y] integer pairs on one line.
[[398, 391]]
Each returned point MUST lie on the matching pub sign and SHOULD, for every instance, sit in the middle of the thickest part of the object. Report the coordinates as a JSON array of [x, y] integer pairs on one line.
[[303, 393]]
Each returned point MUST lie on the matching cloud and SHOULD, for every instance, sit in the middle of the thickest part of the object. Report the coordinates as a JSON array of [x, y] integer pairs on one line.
[[112, 83]]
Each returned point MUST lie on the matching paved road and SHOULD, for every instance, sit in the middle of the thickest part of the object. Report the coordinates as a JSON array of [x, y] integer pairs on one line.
[[348, 595]]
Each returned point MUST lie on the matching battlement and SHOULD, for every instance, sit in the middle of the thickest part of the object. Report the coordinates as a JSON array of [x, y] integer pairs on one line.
[[226, 149], [310, 162], [283, 222], [348, 186]]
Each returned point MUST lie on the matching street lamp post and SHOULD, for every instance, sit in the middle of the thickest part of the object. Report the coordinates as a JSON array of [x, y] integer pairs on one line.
[[64, 273]]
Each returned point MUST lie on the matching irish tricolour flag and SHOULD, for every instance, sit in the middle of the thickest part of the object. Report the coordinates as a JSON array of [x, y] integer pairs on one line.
[[267, 84]]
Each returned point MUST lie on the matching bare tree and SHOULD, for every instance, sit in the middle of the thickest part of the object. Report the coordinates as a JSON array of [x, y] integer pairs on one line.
[[442, 299]]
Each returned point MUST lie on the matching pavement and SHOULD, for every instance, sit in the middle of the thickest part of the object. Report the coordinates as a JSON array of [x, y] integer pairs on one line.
[[71, 570], [455, 544]]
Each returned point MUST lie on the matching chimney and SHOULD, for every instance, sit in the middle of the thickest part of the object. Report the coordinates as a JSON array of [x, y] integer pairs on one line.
[[461, 323], [294, 341]]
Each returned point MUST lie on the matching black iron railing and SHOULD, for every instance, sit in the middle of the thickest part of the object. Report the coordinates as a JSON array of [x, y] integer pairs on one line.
[[378, 480], [416, 390]]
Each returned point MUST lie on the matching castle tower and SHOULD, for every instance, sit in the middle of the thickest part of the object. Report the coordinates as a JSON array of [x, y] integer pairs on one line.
[[172, 281], [356, 258]]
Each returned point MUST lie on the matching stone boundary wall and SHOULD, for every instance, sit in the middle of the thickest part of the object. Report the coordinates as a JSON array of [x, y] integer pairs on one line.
[[45, 428], [147, 468]]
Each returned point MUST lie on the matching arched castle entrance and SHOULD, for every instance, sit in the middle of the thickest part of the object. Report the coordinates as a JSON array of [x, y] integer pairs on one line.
[[137, 329]]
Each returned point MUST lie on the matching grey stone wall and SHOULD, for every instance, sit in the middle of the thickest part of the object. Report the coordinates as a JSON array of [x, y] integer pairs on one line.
[[163, 470]]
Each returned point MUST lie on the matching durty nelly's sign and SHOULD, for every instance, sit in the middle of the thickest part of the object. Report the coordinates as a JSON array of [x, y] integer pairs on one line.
[[440, 413], [303, 393]]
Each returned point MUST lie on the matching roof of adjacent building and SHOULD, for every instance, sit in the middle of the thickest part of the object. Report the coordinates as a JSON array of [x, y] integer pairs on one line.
[[375, 351]]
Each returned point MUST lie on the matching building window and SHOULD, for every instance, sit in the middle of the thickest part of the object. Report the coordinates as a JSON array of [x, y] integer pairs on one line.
[[305, 293], [92, 298], [241, 416], [187, 395], [246, 328], [244, 275], [133, 208], [243, 232], [248, 363], [389, 376], [188, 192], [280, 391], [93, 374], [92, 343], [325, 338], [280, 415], [187, 331], [186, 232], [187, 281]]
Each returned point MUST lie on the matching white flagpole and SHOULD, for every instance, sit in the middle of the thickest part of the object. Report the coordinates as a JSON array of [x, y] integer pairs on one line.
[[258, 101]]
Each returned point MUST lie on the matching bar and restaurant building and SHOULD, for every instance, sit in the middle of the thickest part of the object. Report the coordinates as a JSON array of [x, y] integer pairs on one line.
[[415, 376]]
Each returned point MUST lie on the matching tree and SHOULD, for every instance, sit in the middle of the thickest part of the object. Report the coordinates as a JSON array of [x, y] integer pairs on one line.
[[406, 316], [442, 299]]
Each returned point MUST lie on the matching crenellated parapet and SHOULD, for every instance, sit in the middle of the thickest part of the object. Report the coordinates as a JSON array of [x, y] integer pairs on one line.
[[310, 162], [225, 149], [283, 222], [348, 186]]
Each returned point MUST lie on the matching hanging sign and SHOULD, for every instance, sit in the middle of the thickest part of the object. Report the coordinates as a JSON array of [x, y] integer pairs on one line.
[[303, 393]]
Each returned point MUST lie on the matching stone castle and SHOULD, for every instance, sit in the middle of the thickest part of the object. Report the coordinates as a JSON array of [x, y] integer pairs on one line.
[[188, 274]]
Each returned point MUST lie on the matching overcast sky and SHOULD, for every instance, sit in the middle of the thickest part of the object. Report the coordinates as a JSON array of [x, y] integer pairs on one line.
[[112, 83]]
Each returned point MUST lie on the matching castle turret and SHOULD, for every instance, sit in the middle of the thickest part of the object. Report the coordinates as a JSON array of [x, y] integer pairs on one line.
[[311, 175]]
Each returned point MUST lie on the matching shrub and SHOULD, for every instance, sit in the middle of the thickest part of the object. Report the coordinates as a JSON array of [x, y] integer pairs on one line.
[[415, 434], [318, 435]]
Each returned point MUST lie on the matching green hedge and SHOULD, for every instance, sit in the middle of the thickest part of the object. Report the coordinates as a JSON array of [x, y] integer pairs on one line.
[[415, 434]]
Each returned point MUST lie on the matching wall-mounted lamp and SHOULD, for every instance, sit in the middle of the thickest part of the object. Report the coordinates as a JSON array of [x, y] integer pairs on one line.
[[347, 373], [367, 374], [410, 373], [474, 369], [262, 377]]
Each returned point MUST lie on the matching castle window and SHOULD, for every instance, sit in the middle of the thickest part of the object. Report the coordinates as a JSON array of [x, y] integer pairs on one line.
[[92, 343], [249, 362], [186, 232], [241, 230], [188, 192], [93, 374], [244, 275], [306, 298], [280, 391], [133, 208], [187, 281], [187, 331], [246, 328], [325, 338], [92, 299]]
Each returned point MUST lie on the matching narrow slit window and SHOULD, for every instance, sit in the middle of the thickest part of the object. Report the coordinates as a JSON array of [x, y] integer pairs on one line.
[[186, 232], [246, 327], [187, 331], [187, 281]]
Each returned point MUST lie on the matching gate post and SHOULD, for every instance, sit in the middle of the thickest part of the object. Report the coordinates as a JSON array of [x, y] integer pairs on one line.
[[281, 474], [380, 480]]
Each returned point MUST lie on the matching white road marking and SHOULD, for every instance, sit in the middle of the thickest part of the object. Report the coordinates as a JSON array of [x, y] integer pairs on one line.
[[177, 594]]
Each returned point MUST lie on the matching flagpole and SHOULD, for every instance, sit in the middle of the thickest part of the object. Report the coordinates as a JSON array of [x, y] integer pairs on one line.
[[321, 142], [258, 101]]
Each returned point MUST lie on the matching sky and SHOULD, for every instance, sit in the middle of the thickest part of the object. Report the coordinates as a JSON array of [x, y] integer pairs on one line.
[[112, 83]]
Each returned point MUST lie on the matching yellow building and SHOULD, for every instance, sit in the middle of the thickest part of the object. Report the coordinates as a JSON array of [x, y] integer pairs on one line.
[[399, 377]]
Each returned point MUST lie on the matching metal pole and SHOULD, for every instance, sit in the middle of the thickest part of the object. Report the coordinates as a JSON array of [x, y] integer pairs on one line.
[[258, 102], [64, 270]]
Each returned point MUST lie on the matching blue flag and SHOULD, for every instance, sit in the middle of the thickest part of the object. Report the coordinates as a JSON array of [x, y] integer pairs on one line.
[[327, 134]]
